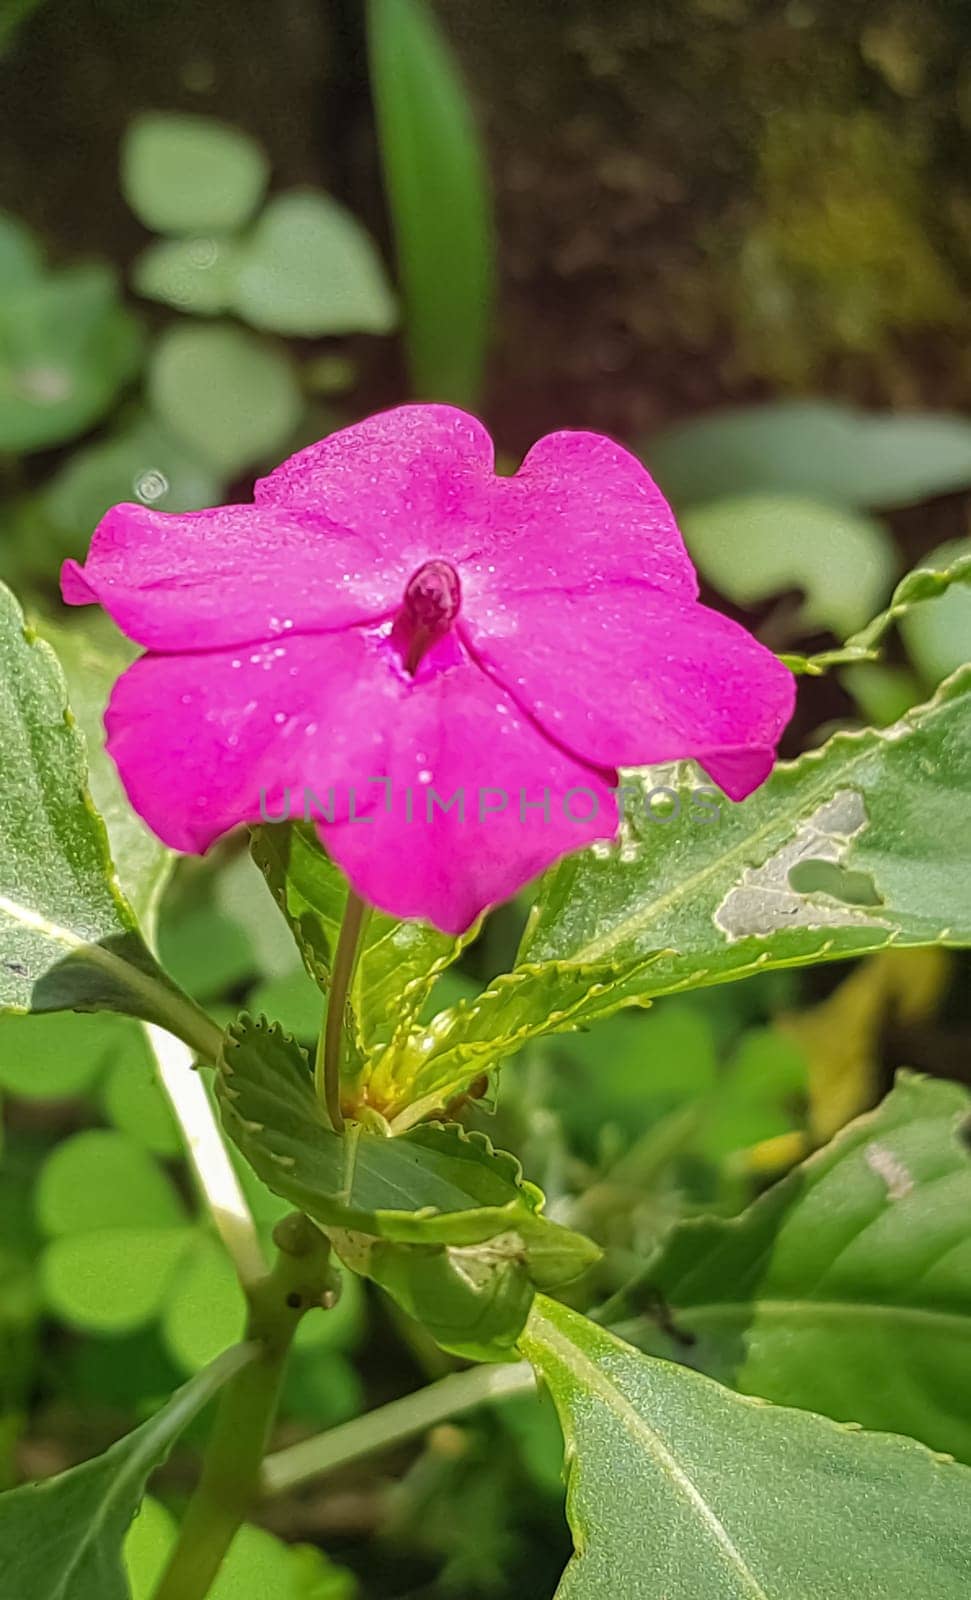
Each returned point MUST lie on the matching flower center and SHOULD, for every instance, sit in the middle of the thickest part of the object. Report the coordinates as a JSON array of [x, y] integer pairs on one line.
[[432, 598]]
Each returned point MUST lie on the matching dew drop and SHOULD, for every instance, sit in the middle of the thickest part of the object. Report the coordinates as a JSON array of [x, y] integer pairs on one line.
[[151, 485]]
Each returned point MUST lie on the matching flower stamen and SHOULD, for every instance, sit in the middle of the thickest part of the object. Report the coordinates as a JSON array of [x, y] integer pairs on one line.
[[432, 599]]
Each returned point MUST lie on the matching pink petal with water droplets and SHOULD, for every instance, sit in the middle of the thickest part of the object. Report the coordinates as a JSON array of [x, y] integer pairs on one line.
[[630, 677], [234, 575], [459, 732]]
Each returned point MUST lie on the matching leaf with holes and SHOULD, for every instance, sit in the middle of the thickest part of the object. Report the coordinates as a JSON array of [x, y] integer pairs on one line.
[[858, 845], [436, 1185], [680, 1488], [63, 1539], [846, 1288]]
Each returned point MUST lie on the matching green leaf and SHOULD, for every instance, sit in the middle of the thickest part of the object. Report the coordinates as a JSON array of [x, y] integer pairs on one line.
[[398, 961], [434, 172], [68, 937], [21, 259], [414, 1078], [680, 1488], [63, 1539], [92, 655], [225, 394], [434, 1185], [112, 1280], [67, 346], [756, 546], [815, 448], [134, 1101], [205, 1310], [846, 1288], [104, 1179], [716, 902], [193, 275], [46, 1058], [310, 268], [188, 174], [257, 1566]]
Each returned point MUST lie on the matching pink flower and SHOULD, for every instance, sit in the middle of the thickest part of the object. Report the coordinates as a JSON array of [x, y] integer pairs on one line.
[[390, 616]]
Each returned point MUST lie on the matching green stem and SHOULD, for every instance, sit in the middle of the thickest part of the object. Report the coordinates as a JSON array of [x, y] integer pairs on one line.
[[460, 1391], [327, 1072], [229, 1485]]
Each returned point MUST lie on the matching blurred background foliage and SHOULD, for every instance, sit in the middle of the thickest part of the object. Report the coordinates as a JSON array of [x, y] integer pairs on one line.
[[734, 234]]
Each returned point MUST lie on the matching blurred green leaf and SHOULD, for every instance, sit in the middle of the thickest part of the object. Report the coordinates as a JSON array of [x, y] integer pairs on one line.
[[882, 694], [680, 1487], [104, 1179], [257, 1567], [294, 1001], [756, 546], [112, 1280], [68, 938], [205, 951], [67, 346], [21, 258], [846, 1288], [224, 393], [135, 1102], [937, 632], [435, 176], [205, 1310], [194, 275], [62, 1539], [814, 448], [46, 1058], [189, 174], [310, 268]]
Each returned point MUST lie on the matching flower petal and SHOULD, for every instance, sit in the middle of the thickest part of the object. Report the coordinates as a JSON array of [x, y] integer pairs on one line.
[[204, 743], [582, 511], [630, 677], [205, 579], [416, 480], [524, 803]]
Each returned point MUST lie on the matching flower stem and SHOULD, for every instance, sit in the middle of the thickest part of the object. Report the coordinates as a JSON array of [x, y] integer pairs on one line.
[[301, 1278], [460, 1391], [327, 1072]]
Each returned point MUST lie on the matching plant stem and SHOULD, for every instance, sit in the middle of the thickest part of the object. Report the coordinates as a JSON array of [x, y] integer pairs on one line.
[[229, 1485], [213, 1169], [327, 1072], [460, 1391]]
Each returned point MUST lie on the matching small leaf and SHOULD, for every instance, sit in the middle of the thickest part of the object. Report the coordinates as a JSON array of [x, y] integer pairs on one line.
[[846, 1288], [756, 546], [225, 394], [257, 1566], [103, 1179], [817, 448], [677, 1487], [434, 172], [68, 938], [193, 275], [434, 1185], [188, 174], [205, 1310], [309, 268], [112, 1280], [67, 346], [134, 1101], [45, 1058], [399, 961], [63, 1539]]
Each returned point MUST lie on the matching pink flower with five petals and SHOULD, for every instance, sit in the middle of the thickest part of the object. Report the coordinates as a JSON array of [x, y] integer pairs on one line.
[[392, 617]]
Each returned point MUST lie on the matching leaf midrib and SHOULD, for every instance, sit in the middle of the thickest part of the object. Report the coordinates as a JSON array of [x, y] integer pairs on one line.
[[593, 1379]]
